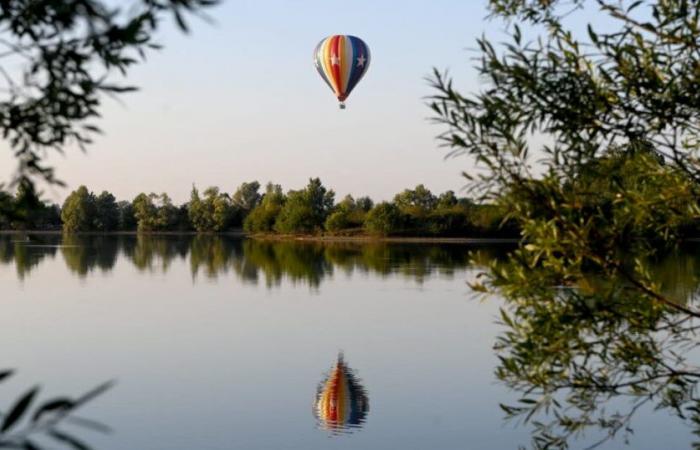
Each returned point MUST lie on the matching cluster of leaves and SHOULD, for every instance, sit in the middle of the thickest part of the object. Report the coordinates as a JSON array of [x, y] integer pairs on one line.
[[66, 52], [26, 427], [613, 117]]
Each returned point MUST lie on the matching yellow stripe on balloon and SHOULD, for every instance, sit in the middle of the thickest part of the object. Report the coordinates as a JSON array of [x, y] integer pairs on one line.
[[343, 64], [348, 59]]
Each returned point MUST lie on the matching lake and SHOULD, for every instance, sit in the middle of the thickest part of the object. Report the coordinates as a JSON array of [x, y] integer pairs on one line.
[[229, 343]]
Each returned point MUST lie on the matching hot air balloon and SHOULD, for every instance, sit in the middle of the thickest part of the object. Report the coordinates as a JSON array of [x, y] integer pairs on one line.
[[341, 402], [341, 61]]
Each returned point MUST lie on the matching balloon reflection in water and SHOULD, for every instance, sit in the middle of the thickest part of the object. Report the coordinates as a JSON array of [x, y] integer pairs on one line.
[[341, 401]]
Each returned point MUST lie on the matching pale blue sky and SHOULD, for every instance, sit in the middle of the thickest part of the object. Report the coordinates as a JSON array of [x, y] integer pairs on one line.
[[239, 100]]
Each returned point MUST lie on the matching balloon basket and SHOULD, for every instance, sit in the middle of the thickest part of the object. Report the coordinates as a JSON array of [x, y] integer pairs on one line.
[[342, 105]]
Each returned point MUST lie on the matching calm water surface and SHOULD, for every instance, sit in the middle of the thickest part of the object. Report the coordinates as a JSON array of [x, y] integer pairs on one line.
[[226, 343]]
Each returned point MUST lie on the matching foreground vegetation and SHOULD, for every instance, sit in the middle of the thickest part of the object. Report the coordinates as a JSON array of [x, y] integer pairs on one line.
[[311, 210], [612, 113]]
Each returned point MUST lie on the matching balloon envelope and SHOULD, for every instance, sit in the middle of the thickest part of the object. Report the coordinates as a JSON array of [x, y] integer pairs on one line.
[[342, 61]]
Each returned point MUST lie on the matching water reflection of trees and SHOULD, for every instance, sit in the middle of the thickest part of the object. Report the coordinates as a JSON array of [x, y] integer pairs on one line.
[[149, 253], [26, 253], [252, 261], [82, 254], [586, 358]]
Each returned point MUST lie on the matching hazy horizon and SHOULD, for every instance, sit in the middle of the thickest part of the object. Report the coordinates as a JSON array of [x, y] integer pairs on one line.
[[239, 100]]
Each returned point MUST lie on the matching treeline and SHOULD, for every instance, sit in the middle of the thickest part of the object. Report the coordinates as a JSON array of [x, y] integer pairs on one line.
[[311, 210]]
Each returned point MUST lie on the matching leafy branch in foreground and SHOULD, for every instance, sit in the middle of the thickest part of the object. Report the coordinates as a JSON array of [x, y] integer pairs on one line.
[[66, 53], [24, 424], [590, 143]]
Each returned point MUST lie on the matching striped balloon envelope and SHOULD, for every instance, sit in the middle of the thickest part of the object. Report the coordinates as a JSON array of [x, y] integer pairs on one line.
[[342, 62], [341, 401]]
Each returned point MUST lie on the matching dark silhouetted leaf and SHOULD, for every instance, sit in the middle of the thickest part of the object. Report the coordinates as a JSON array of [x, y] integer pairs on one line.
[[29, 445], [18, 410], [68, 440], [6, 374], [88, 423], [52, 406], [99, 390]]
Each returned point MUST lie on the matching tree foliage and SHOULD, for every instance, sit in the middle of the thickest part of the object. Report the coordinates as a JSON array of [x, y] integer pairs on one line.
[[306, 210], [384, 219], [79, 211], [309, 211], [262, 218], [612, 118], [155, 212], [59, 61], [215, 212], [348, 214], [246, 197]]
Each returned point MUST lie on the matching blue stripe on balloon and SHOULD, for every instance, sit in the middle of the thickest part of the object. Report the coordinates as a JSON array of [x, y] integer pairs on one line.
[[358, 48]]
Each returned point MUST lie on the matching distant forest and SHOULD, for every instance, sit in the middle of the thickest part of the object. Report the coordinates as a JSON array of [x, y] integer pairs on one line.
[[311, 210]]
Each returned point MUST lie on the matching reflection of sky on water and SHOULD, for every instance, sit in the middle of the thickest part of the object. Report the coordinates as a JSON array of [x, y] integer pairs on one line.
[[342, 403]]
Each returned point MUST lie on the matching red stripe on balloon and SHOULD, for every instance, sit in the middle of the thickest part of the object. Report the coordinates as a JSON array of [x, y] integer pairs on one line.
[[335, 50]]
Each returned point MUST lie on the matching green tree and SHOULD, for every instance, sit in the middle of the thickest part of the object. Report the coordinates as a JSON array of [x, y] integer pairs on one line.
[[246, 197], [127, 220], [384, 219], [201, 218], [416, 202], [613, 117], [27, 207], [79, 211], [213, 213], [7, 210], [155, 212], [262, 218], [364, 204], [306, 210], [106, 212], [348, 214], [446, 200], [168, 214], [222, 210]]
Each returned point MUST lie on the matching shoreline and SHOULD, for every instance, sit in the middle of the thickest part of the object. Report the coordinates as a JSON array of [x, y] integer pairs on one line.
[[288, 237], [389, 239]]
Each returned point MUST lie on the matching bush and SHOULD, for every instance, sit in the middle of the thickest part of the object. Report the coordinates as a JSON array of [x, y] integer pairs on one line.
[[384, 219], [297, 216], [338, 220], [305, 211], [448, 222], [262, 218]]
